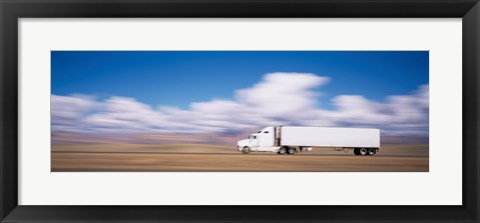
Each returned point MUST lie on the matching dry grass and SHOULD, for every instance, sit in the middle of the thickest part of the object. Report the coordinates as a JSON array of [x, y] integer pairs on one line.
[[189, 157]]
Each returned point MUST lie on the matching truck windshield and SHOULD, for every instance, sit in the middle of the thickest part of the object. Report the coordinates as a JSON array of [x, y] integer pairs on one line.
[[252, 137]]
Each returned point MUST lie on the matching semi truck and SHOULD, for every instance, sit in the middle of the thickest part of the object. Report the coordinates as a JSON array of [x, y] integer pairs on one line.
[[293, 139]]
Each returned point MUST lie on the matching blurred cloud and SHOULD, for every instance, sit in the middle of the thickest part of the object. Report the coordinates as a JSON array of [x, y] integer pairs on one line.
[[400, 114], [277, 99]]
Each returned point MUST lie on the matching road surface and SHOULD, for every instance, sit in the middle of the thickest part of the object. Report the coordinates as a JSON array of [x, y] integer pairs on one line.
[[146, 161]]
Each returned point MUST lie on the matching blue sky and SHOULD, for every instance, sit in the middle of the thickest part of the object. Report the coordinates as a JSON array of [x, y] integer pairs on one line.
[[235, 91], [178, 78]]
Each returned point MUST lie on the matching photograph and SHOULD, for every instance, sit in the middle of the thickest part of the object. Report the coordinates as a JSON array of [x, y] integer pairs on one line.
[[239, 111]]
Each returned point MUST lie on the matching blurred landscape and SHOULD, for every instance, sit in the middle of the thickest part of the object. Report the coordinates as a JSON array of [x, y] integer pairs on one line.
[[219, 138], [192, 152], [186, 110]]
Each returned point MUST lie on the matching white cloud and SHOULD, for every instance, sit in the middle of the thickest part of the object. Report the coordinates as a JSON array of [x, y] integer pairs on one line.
[[282, 94], [278, 99], [66, 111], [399, 113], [71, 106]]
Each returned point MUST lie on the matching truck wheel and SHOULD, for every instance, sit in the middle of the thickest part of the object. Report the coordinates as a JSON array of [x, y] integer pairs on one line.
[[363, 151], [372, 151], [246, 150], [282, 150], [291, 150], [356, 151]]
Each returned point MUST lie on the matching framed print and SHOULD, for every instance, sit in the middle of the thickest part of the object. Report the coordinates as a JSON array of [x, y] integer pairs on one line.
[[239, 111]]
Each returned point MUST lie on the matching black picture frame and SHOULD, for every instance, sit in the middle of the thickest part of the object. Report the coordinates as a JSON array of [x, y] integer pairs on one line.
[[12, 10]]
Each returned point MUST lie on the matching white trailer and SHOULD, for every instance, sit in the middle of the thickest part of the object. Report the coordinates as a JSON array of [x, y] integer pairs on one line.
[[292, 139]]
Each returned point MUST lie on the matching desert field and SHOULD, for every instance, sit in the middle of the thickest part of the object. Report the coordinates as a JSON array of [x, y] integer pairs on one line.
[[198, 157]]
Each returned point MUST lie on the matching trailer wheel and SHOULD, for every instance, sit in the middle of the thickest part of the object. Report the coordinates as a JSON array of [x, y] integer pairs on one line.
[[246, 150], [372, 151], [282, 150], [363, 151], [291, 150]]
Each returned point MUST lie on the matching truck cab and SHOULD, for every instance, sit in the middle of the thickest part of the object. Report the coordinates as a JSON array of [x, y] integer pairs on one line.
[[264, 139]]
